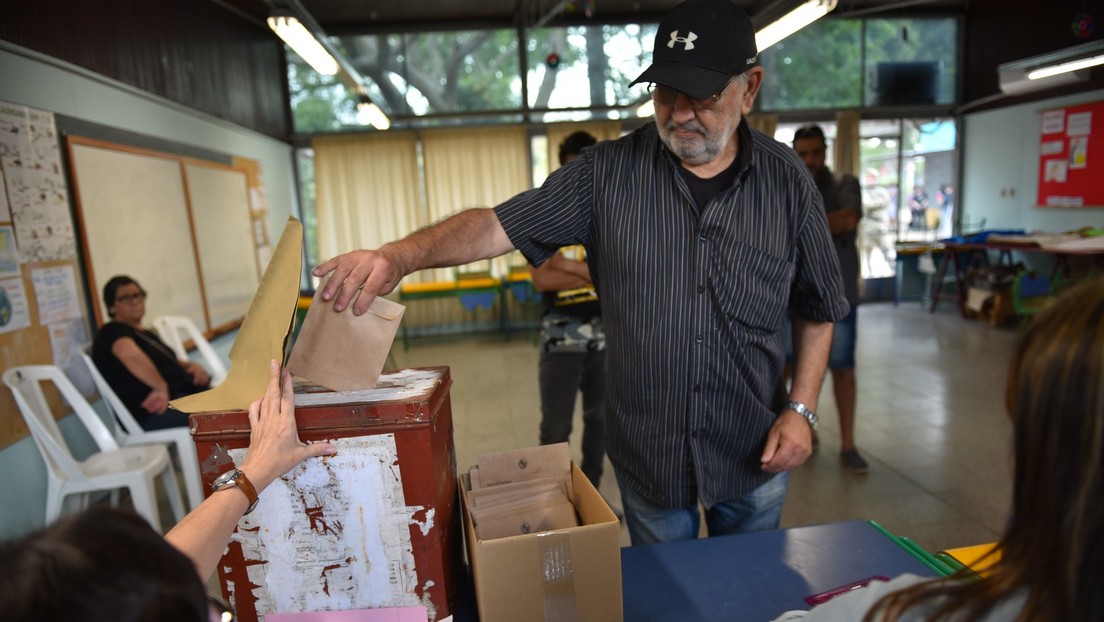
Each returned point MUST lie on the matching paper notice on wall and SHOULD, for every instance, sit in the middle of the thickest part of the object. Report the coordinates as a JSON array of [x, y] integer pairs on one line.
[[1051, 147], [1054, 121], [14, 314], [1056, 170], [333, 534], [1079, 124], [56, 294], [38, 196], [1079, 152]]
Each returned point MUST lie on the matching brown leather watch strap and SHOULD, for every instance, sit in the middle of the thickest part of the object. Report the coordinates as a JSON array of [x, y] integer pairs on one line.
[[248, 488]]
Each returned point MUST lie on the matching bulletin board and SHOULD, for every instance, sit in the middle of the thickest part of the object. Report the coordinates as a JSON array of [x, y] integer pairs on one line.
[[43, 318], [182, 227], [1071, 156]]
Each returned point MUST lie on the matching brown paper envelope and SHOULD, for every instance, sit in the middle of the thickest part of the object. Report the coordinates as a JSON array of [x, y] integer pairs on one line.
[[520, 465], [263, 333], [515, 505], [488, 497], [559, 516], [341, 351]]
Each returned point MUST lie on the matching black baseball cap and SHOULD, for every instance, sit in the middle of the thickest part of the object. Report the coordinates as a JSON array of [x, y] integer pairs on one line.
[[700, 45]]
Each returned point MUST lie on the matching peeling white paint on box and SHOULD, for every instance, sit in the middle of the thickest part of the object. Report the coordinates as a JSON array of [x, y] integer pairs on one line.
[[427, 524], [334, 534]]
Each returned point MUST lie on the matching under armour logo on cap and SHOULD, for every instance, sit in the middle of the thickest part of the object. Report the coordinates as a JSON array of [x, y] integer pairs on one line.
[[688, 40]]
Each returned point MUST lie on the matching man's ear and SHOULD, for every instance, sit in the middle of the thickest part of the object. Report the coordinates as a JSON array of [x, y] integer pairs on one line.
[[755, 80]]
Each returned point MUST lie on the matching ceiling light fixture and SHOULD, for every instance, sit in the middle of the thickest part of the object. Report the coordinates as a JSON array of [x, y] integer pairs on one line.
[[298, 38], [1065, 66], [368, 113], [793, 20]]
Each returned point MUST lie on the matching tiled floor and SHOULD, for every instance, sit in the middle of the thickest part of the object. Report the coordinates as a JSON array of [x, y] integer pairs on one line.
[[930, 421]]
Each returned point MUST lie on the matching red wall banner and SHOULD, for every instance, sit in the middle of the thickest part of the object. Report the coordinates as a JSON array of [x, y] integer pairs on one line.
[[1071, 156]]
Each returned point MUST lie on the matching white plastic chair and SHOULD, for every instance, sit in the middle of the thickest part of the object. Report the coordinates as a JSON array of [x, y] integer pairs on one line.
[[109, 469], [130, 433], [169, 328]]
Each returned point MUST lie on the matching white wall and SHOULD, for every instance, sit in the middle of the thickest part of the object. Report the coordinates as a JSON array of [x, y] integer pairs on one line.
[[31, 79], [1001, 153]]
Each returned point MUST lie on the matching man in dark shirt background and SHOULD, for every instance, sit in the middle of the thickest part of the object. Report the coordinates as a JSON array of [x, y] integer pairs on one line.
[[702, 236]]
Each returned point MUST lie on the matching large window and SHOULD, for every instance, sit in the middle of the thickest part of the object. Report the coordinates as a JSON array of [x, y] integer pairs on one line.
[[580, 73], [871, 63]]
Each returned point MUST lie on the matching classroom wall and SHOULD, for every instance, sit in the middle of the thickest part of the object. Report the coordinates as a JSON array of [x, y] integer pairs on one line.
[[1000, 177], [31, 79]]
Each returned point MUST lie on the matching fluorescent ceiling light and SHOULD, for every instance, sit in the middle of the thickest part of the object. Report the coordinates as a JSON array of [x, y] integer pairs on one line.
[[1052, 69], [304, 44], [1074, 65], [368, 113], [798, 18]]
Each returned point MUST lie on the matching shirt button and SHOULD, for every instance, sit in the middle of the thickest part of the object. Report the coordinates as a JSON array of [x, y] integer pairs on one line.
[[699, 339], [702, 237]]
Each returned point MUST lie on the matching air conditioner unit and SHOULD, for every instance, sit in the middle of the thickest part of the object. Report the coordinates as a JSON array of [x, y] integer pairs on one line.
[[1052, 69]]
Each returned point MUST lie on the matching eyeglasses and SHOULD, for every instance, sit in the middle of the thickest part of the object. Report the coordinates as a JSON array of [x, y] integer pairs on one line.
[[131, 298], [666, 95]]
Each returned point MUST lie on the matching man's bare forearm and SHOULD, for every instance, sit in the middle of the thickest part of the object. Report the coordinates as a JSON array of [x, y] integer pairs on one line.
[[468, 236]]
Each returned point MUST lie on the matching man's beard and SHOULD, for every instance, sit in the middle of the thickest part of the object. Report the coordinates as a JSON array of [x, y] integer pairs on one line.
[[694, 151]]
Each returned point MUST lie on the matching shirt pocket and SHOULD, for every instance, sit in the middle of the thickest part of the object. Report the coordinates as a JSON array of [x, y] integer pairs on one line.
[[752, 287]]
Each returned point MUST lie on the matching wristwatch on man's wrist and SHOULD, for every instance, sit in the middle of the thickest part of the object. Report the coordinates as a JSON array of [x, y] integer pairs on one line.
[[235, 477], [804, 411]]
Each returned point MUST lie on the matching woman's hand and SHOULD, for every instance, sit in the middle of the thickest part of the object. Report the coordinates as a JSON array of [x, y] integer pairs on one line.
[[274, 445], [196, 373], [157, 402]]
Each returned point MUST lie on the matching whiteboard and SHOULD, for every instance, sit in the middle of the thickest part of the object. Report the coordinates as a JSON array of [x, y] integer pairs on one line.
[[181, 227], [224, 239], [134, 220]]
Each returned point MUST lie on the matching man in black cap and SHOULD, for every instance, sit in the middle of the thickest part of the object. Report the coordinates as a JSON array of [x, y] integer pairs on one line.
[[702, 235]]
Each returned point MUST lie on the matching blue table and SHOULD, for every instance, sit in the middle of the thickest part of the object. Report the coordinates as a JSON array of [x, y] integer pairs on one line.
[[754, 576]]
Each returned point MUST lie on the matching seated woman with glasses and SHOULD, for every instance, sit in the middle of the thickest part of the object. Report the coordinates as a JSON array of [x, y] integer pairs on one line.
[[109, 564], [143, 371]]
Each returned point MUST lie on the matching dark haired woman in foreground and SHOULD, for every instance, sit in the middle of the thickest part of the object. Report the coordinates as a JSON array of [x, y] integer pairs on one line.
[[1051, 565], [110, 565]]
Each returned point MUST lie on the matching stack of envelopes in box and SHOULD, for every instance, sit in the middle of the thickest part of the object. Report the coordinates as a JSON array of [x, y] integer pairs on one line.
[[521, 492]]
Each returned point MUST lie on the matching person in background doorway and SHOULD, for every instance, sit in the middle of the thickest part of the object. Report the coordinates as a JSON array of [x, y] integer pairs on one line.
[[843, 206], [1049, 564], [702, 236], [573, 344], [918, 209], [141, 368], [108, 564]]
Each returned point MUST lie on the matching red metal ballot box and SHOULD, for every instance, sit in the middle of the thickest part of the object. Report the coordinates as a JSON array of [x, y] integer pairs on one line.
[[376, 525]]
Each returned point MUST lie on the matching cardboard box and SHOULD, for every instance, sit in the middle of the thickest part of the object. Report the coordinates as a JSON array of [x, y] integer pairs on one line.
[[567, 574]]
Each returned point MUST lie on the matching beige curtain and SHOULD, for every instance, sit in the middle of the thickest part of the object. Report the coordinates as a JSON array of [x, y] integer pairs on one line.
[[367, 190], [846, 147], [764, 122], [473, 167], [557, 132]]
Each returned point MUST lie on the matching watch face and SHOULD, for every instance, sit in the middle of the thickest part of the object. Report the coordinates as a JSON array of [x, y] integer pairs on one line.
[[224, 479]]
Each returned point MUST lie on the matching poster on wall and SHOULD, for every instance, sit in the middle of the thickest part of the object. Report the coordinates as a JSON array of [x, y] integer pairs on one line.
[[37, 194], [9, 253], [56, 292], [1071, 156], [13, 306]]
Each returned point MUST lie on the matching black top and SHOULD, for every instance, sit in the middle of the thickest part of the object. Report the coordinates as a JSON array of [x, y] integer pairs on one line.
[[129, 388], [693, 300]]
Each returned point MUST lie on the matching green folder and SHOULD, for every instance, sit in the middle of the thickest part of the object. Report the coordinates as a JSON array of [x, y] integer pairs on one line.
[[934, 564]]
